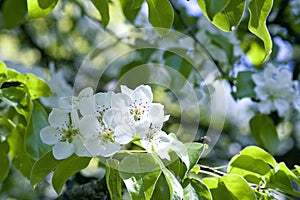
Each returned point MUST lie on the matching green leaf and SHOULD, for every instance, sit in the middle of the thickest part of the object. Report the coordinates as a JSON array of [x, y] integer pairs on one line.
[[176, 190], [36, 87], [161, 189], [252, 163], [224, 14], [217, 188], [67, 168], [282, 179], [258, 153], [195, 151], [13, 96], [42, 168], [103, 8], [140, 173], [249, 164], [196, 190], [161, 13], [244, 85], [211, 7], [38, 120], [3, 69], [238, 187], [176, 166], [264, 132], [5, 163], [40, 8], [13, 13], [113, 179], [131, 8], [18, 153], [259, 11]]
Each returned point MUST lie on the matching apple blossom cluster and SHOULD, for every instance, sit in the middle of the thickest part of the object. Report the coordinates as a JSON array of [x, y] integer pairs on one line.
[[276, 91], [99, 124]]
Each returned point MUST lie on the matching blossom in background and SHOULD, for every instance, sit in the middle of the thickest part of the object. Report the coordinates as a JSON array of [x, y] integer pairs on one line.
[[275, 89], [63, 133]]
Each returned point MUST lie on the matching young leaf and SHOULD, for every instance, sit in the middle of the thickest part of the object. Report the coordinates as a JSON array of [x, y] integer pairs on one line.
[[38, 120], [5, 163], [140, 173], [281, 180], [131, 8], [136, 3], [197, 190], [13, 13], [176, 190], [258, 153], [195, 151], [3, 69], [161, 189], [211, 7], [224, 14], [259, 11], [38, 8], [161, 13], [113, 179], [20, 159], [36, 87], [264, 131], [217, 188], [103, 8], [67, 168], [238, 187], [42, 168]]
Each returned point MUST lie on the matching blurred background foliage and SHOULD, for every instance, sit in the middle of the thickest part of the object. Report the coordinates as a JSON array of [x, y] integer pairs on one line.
[[54, 47]]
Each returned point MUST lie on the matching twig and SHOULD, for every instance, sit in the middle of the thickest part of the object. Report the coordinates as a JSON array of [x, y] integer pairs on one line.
[[191, 33], [211, 170]]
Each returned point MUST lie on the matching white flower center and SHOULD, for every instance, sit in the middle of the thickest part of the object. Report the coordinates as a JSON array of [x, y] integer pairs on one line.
[[68, 133]]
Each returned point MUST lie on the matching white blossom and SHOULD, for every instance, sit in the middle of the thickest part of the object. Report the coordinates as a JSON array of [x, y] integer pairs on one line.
[[63, 134], [141, 112], [275, 90], [104, 129], [85, 97]]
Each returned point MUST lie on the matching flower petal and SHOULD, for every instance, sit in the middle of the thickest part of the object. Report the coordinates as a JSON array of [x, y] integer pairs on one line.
[[68, 103], [258, 79], [59, 118], [112, 118], [126, 90], [50, 135], [282, 107], [86, 101], [142, 93], [124, 134], [265, 107], [157, 113], [96, 148], [90, 127], [80, 149], [63, 150]]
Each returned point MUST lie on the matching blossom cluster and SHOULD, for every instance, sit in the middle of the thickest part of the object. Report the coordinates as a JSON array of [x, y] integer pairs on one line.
[[99, 124], [276, 91]]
